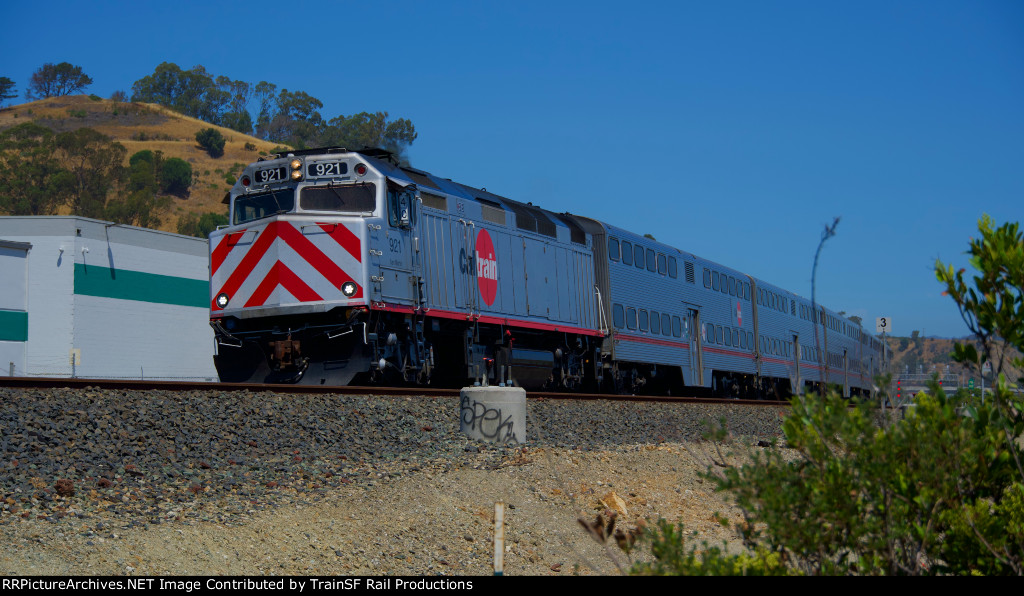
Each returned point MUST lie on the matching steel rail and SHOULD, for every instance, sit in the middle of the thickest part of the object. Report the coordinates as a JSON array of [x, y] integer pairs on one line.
[[146, 385]]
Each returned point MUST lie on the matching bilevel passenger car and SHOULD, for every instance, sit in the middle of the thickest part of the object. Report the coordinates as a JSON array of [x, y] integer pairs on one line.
[[343, 267]]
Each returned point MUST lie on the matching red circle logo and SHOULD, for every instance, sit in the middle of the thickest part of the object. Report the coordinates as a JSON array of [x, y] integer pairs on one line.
[[486, 267]]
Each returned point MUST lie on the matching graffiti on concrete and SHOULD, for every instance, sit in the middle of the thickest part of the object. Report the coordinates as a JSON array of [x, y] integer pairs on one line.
[[486, 420]]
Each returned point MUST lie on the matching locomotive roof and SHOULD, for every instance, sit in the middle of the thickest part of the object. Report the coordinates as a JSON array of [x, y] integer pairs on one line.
[[527, 215]]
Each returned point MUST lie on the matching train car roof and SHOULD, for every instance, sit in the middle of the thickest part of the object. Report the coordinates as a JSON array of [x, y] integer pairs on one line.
[[545, 221]]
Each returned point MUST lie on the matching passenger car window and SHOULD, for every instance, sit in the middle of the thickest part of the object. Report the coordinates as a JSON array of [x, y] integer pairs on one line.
[[677, 326], [627, 253], [655, 322], [638, 256], [714, 280], [673, 268], [662, 265], [652, 262], [613, 249], [707, 278], [666, 324], [643, 320], [732, 286], [630, 318], [618, 316]]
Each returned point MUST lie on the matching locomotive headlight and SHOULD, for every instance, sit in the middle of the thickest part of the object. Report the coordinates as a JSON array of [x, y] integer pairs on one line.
[[222, 300], [348, 288], [296, 164]]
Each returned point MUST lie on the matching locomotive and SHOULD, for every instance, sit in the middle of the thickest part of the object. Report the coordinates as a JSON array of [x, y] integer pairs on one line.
[[347, 267]]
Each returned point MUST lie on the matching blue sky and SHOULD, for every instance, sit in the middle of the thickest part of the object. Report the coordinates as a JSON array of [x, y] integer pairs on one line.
[[733, 130]]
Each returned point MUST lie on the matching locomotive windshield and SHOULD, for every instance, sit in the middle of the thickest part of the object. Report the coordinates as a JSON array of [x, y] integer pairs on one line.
[[348, 198], [256, 206]]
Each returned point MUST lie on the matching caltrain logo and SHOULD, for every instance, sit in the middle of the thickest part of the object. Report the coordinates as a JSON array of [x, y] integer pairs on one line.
[[486, 267]]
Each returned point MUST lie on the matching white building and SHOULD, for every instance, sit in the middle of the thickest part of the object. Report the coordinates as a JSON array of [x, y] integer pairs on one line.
[[88, 298]]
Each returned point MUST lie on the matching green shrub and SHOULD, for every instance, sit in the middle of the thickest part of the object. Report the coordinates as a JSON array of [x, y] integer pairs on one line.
[[212, 141], [175, 176], [940, 491], [191, 224]]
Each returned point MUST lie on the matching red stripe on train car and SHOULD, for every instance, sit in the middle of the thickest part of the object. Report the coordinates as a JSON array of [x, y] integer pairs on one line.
[[446, 314], [651, 340]]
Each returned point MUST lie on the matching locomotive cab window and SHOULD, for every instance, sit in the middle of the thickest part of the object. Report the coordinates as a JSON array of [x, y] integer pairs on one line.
[[341, 198], [401, 208], [256, 206]]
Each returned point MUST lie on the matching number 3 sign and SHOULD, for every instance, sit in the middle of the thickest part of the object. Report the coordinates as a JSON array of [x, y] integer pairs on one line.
[[883, 325]]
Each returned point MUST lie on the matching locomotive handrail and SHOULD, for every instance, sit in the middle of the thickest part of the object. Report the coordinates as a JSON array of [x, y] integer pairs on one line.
[[602, 317]]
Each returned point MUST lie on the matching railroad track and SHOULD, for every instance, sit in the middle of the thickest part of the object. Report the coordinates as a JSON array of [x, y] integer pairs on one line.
[[142, 385]]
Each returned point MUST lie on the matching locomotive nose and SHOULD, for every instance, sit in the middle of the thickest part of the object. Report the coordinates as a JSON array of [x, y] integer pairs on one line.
[[287, 262]]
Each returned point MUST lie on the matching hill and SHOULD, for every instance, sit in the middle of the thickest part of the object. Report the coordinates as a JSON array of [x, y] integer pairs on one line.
[[140, 126], [928, 354]]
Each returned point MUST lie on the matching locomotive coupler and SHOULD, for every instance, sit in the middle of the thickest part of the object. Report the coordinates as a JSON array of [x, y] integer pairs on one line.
[[287, 354]]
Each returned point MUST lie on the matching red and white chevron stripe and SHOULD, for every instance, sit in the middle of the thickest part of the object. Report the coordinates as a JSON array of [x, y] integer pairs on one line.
[[285, 263]]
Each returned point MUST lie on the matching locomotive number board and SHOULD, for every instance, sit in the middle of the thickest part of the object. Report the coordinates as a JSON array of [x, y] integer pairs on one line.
[[271, 175], [327, 168]]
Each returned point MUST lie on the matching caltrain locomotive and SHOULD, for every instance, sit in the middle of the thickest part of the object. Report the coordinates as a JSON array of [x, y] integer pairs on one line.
[[346, 267]]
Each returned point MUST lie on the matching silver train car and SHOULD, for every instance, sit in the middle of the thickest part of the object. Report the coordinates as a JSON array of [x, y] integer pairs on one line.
[[345, 267]]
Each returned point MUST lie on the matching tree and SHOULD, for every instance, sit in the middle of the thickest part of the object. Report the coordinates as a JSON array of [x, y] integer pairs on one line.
[[200, 226], [370, 130], [6, 89], [96, 164], [197, 94], [175, 176], [55, 80], [212, 141], [294, 119], [32, 180]]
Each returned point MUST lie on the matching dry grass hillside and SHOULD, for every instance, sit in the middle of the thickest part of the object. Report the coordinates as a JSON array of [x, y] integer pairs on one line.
[[933, 355], [140, 126]]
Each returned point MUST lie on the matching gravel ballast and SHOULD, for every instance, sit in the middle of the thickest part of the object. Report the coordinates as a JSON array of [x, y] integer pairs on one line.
[[207, 482]]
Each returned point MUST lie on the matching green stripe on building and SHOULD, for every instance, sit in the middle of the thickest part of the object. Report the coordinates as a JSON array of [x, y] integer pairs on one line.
[[13, 325], [104, 282]]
